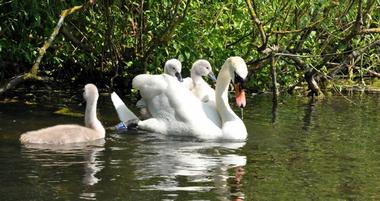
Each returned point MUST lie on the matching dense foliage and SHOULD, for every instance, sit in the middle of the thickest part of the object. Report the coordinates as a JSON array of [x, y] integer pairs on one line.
[[109, 42]]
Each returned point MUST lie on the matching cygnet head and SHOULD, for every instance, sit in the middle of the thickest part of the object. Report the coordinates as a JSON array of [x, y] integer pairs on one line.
[[90, 92], [202, 67], [173, 67]]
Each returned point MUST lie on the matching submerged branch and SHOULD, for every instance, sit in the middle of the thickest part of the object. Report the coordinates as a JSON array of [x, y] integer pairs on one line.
[[14, 81], [274, 76]]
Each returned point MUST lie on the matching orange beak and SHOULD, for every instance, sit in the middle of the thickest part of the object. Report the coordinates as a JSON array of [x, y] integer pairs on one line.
[[240, 95]]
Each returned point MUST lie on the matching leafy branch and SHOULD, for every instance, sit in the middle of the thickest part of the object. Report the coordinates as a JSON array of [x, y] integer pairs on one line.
[[33, 73]]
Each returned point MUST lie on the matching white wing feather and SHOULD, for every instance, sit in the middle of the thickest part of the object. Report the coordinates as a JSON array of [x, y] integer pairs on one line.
[[124, 113]]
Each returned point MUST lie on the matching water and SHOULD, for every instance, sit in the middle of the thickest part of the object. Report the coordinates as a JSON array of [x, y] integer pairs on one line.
[[329, 150]]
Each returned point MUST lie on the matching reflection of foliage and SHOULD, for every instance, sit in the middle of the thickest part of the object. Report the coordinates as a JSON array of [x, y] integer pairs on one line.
[[68, 112], [314, 151], [112, 39]]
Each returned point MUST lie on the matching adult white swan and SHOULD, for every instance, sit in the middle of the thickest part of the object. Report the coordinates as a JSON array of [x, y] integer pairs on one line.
[[176, 111], [71, 133], [197, 85]]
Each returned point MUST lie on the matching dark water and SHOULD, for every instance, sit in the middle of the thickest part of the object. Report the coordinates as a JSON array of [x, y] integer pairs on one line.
[[329, 150]]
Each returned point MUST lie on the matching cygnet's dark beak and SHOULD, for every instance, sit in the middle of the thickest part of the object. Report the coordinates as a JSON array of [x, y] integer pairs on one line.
[[178, 76], [239, 91], [212, 76]]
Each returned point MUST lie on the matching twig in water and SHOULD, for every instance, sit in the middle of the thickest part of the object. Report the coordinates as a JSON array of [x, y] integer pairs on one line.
[[340, 93], [242, 113]]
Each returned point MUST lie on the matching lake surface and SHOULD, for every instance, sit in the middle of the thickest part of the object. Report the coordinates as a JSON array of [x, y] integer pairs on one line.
[[328, 150]]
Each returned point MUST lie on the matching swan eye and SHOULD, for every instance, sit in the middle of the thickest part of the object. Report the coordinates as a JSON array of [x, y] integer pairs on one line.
[[238, 79]]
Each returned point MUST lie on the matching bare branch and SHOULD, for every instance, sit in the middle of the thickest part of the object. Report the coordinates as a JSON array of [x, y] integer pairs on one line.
[[370, 31], [370, 72], [258, 23], [351, 56], [75, 41], [166, 36], [358, 22], [239, 40], [32, 74], [297, 30], [47, 44]]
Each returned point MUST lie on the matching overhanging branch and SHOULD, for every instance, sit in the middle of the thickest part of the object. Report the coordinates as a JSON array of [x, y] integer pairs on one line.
[[258, 23], [32, 74]]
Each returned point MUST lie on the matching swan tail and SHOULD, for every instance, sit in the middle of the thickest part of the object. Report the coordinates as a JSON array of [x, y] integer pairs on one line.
[[124, 113], [24, 139]]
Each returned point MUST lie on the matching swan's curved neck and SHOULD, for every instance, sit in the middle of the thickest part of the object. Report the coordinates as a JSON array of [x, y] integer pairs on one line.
[[233, 127], [221, 95], [90, 119]]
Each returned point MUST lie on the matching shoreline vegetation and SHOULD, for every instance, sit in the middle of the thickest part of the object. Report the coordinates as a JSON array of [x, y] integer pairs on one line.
[[316, 46], [40, 93]]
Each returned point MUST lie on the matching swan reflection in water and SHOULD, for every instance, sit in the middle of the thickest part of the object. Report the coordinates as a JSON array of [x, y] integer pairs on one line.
[[56, 160], [191, 166]]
